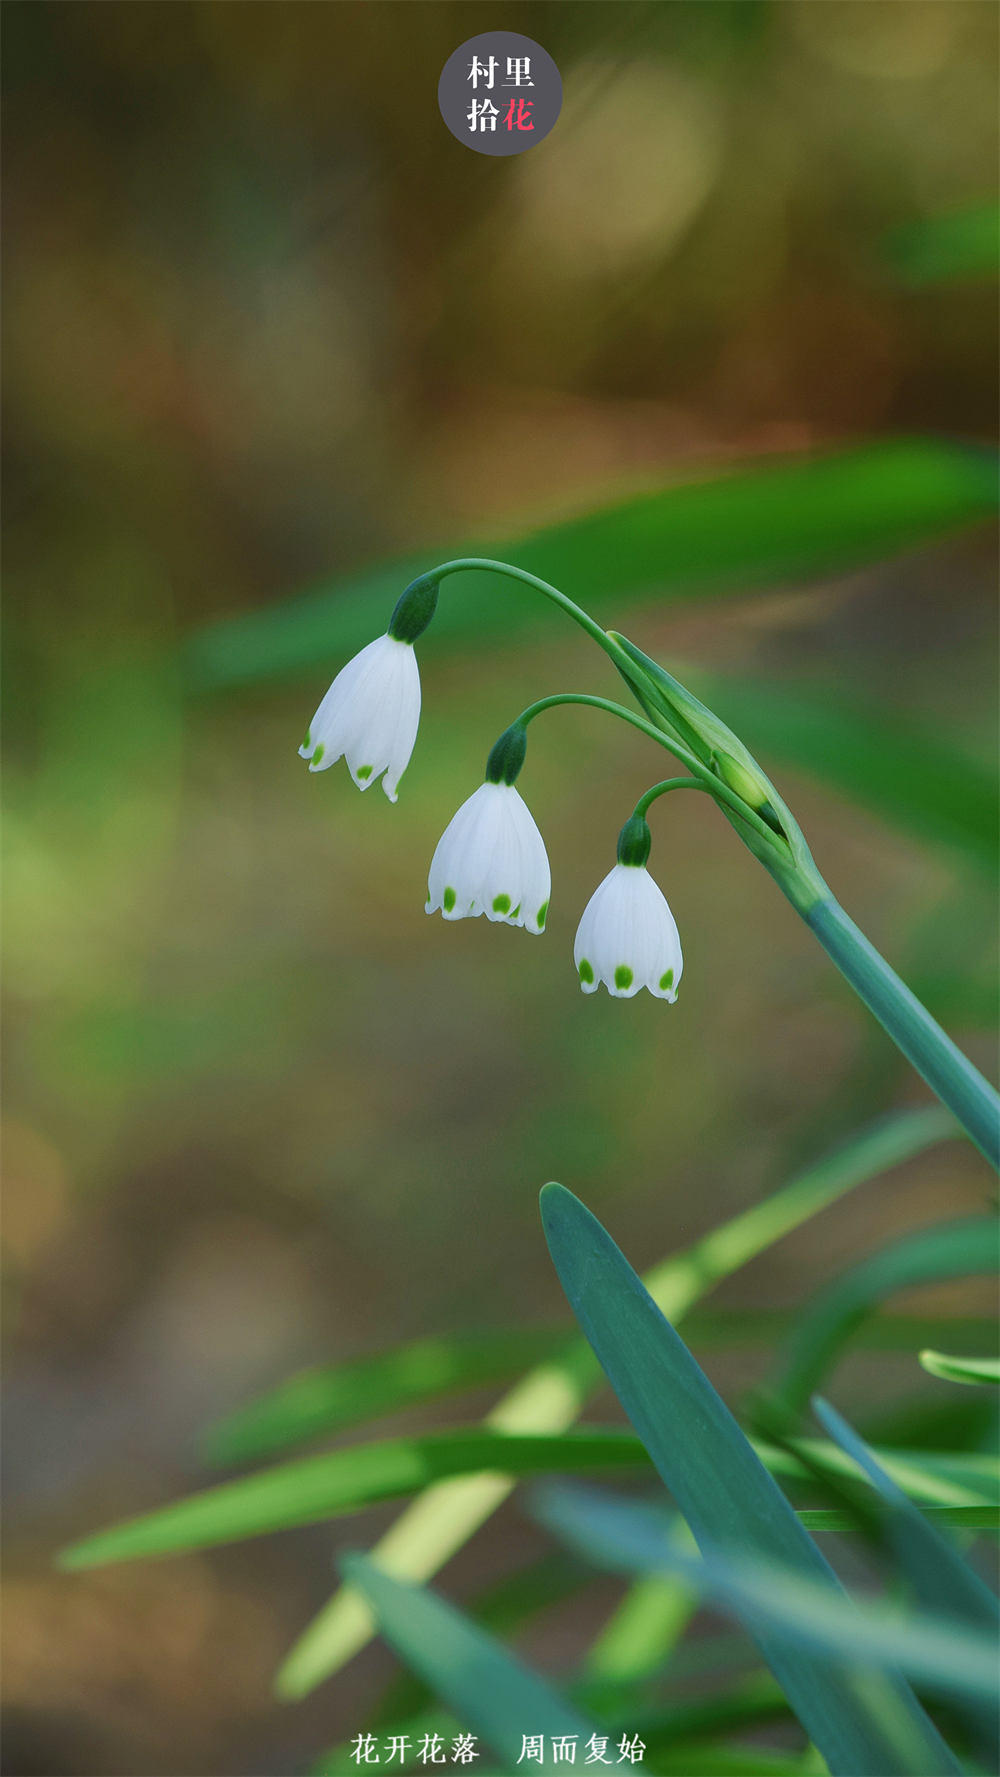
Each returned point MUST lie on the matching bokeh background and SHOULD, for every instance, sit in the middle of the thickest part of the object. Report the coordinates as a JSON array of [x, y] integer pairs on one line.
[[268, 322]]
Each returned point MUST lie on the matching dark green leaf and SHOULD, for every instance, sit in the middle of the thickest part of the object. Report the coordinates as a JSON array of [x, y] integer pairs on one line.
[[727, 1496], [320, 1487], [804, 516], [503, 1609], [491, 1692]]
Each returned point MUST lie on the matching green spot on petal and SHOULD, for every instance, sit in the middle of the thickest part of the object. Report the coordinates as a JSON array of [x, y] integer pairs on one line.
[[449, 899], [667, 980], [586, 972], [516, 911], [364, 771], [501, 903], [542, 911], [623, 975], [317, 756], [305, 743]]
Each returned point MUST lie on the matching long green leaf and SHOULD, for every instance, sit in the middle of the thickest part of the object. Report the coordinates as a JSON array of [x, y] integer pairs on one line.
[[932, 1479], [491, 1691], [549, 1398], [945, 249], [727, 1496], [948, 1249], [334, 1396], [941, 1580], [503, 1609], [319, 1487], [773, 1598], [795, 517], [345, 1481], [961, 1369]]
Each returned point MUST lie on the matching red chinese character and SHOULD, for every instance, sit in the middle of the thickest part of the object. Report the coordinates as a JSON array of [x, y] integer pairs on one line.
[[523, 107]]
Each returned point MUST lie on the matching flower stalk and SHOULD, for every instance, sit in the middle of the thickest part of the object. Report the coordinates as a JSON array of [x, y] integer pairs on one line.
[[719, 764]]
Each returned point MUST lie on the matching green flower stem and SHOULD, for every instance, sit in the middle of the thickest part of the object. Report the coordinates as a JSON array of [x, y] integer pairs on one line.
[[941, 1063], [947, 1071], [670, 783], [597, 634], [704, 780]]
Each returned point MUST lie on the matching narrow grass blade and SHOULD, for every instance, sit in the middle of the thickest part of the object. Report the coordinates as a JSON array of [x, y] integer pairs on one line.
[[727, 1496], [929, 1477], [961, 1369], [719, 1329], [774, 1599], [435, 1526], [941, 1580], [491, 1692], [319, 1487], [940, 1517], [961, 1248], [946, 249], [758, 525], [335, 1396]]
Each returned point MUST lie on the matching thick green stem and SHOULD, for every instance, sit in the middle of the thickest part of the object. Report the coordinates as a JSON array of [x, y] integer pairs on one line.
[[947, 1071]]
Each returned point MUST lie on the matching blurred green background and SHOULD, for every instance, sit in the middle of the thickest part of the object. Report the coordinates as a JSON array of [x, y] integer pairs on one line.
[[267, 324]]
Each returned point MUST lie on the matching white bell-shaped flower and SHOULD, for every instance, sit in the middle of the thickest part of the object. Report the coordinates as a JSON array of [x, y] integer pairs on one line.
[[491, 859], [370, 714], [627, 937]]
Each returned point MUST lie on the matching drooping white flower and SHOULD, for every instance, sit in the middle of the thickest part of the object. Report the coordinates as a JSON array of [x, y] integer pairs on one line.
[[627, 938], [370, 713], [491, 859]]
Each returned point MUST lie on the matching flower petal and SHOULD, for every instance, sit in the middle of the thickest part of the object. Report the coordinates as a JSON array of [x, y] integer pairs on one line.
[[627, 938]]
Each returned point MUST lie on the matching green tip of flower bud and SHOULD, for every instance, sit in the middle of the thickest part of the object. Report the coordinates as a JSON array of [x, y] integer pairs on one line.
[[414, 609], [507, 756], [634, 842], [751, 788]]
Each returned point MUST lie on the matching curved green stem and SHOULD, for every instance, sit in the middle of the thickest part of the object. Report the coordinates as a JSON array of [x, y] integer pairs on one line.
[[706, 779], [941, 1063], [670, 783], [594, 630]]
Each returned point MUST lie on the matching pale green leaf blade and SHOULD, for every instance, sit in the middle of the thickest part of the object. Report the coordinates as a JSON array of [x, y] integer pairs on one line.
[[332, 1397], [962, 1248], [961, 1369], [803, 516], [494, 1694], [725, 1493]]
